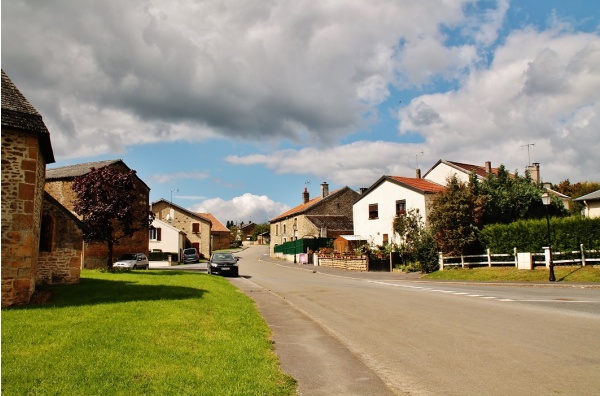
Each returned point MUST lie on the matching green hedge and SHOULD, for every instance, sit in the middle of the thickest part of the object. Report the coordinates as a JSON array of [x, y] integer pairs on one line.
[[566, 234], [163, 256]]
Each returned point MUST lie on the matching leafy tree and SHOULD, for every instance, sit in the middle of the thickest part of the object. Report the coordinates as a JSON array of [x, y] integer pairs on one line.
[[259, 229], [455, 216], [418, 247], [576, 190], [106, 198]]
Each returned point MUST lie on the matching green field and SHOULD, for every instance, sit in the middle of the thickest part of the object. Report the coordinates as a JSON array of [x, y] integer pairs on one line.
[[140, 333]]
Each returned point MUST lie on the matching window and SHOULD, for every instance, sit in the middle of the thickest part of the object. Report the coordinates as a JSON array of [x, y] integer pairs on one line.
[[154, 234], [284, 229], [385, 239], [276, 229], [195, 228], [373, 211], [400, 207]]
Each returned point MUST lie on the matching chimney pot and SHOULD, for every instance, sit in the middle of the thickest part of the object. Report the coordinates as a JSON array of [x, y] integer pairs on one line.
[[324, 189], [488, 166], [305, 196]]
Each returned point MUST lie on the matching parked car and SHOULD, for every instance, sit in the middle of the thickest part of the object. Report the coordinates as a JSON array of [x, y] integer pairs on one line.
[[132, 261], [223, 263], [190, 255]]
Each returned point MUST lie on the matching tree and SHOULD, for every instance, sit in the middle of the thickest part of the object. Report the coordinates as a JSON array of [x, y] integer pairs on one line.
[[106, 198], [259, 229], [418, 246], [576, 190], [455, 216]]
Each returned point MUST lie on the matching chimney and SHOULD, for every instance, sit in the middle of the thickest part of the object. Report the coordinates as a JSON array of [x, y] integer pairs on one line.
[[534, 172], [362, 190], [488, 167], [324, 189], [418, 173], [305, 196]]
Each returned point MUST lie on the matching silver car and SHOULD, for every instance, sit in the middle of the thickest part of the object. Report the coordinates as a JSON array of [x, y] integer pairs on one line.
[[132, 261]]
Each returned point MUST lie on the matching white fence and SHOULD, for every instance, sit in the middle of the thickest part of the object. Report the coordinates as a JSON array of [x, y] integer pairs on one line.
[[576, 257]]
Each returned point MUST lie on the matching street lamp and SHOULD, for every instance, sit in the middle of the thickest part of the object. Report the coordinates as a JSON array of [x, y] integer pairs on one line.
[[295, 229], [547, 200]]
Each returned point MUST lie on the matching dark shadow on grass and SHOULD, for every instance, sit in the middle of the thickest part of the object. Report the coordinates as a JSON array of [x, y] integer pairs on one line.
[[102, 291], [569, 274]]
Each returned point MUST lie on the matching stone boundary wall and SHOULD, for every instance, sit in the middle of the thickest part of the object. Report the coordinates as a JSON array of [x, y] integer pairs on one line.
[[347, 263]]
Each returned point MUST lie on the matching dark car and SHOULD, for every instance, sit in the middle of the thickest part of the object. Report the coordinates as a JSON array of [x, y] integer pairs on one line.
[[223, 263], [190, 255]]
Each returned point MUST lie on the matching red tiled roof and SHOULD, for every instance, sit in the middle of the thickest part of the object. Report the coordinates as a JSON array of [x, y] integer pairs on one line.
[[420, 184], [299, 209], [216, 224], [479, 170]]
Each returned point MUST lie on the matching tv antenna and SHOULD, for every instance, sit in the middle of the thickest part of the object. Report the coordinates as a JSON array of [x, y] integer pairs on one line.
[[528, 156], [417, 158]]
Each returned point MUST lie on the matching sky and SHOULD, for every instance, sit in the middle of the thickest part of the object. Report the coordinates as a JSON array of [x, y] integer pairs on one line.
[[234, 107]]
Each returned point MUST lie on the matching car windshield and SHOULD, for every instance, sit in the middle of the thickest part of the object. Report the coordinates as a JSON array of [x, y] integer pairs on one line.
[[129, 256], [189, 251], [223, 257]]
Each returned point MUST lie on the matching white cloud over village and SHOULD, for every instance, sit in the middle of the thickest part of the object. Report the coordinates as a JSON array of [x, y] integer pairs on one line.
[[310, 81], [247, 208]]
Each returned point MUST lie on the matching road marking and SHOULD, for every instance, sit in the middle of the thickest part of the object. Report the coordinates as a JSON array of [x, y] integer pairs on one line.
[[456, 293]]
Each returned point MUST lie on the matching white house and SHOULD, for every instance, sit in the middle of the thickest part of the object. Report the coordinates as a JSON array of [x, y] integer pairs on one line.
[[592, 204], [443, 169], [166, 238], [374, 211]]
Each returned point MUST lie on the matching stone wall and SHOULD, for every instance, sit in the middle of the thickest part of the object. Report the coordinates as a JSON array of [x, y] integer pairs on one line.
[[347, 263], [62, 263], [96, 253], [23, 175]]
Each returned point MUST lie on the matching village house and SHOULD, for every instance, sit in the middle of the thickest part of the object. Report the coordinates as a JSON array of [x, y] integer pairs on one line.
[[220, 235], [163, 237], [41, 242], [197, 228], [325, 216], [388, 197], [59, 184], [591, 204]]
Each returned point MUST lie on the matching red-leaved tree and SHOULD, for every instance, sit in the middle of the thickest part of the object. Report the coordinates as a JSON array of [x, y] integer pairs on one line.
[[107, 198]]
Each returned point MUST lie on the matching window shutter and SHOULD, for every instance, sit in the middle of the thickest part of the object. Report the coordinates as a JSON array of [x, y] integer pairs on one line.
[[158, 234], [196, 227]]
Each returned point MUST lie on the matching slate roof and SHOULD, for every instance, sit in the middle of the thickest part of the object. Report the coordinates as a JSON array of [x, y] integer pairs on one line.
[[593, 196], [19, 114], [71, 171], [331, 222]]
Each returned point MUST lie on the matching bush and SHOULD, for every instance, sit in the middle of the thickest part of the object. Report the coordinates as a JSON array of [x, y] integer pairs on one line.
[[566, 234]]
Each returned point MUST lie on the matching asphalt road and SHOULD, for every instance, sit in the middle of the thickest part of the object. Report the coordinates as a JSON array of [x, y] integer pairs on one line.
[[343, 333]]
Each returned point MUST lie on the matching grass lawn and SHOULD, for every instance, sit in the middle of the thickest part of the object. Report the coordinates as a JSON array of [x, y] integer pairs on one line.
[[140, 333], [511, 274]]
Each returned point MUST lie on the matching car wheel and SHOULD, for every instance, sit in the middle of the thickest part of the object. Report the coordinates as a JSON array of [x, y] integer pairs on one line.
[[135, 267]]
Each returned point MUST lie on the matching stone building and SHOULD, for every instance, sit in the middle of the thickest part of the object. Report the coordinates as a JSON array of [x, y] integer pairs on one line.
[[59, 184], [196, 227], [327, 216], [26, 149], [220, 235]]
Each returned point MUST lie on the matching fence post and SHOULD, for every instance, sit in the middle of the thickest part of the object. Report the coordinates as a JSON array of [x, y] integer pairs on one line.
[[462, 261], [582, 255], [441, 260], [547, 256], [489, 258], [516, 258]]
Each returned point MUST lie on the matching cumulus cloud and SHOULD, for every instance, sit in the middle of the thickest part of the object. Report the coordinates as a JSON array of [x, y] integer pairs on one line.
[[174, 177], [541, 87], [108, 74], [357, 164], [246, 208]]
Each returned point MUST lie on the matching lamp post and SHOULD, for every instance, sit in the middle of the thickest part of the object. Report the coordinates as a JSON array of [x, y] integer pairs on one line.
[[295, 229], [547, 200]]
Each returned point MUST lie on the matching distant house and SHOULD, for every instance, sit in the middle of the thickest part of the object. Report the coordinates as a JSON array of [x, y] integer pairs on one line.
[[374, 211], [591, 204], [247, 231], [220, 235], [327, 216], [442, 170], [164, 237], [39, 243], [197, 228], [59, 184]]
